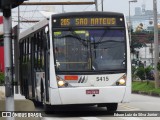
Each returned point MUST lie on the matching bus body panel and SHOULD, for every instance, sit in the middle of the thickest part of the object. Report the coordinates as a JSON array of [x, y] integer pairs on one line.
[[55, 98], [108, 94], [52, 81], [98, 80], [127, 95]]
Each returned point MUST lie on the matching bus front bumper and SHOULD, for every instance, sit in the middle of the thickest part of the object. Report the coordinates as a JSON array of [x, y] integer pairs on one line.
[[69, 96]]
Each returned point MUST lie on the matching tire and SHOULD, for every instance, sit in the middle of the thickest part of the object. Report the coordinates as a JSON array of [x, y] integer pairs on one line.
[[112, 107], [37, 103], [48, 109]]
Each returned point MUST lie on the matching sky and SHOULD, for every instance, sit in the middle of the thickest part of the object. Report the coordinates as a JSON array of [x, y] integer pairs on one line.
[[32, 12]]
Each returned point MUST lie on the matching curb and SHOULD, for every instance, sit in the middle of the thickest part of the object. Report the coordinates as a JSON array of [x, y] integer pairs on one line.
[[146, 93]]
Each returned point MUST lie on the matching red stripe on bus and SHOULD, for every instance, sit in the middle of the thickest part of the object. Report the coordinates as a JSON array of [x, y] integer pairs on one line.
[[71, 77]]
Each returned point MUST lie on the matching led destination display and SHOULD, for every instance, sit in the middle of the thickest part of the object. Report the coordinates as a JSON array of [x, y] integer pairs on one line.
[[88, 21]]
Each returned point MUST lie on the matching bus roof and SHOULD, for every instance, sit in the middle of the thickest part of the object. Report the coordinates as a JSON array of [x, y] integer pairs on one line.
[[90, 14], [32, 29], [44, 22]]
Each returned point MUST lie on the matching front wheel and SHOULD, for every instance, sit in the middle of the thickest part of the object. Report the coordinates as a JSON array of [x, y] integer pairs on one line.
[[48, 109], [111, 107]]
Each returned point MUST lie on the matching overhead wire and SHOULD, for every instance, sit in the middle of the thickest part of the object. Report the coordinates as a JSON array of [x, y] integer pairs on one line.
[[24, 15], [35, 10], [86, 8], [25, 11]]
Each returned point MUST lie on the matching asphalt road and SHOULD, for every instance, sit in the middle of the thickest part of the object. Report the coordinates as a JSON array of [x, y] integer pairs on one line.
[[138, 104]]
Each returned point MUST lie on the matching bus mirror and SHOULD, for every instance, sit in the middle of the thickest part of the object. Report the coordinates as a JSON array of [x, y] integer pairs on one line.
[[46, 29], [46, 44]]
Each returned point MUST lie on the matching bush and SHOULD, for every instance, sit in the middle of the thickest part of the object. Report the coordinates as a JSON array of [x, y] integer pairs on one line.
[[141, 73], [1, 78], [133, 70], [158, 66], [148, 69]]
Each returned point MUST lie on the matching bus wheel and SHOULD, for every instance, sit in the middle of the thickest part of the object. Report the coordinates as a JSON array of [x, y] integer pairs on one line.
[[48, 109], [37, 103], [111, 107]]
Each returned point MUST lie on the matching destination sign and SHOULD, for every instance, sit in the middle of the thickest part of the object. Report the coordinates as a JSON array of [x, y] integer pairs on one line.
[[102, 21]]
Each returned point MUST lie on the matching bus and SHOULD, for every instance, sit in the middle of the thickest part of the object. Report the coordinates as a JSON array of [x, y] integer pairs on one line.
[[76, 58]]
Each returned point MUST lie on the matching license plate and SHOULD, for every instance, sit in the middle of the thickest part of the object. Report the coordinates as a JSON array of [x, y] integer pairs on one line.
[[92, 91]]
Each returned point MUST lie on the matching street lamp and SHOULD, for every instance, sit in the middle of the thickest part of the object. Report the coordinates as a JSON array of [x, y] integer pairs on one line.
[[130, 19]]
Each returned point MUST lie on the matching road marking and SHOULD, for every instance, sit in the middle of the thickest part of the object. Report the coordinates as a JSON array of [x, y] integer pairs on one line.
[[51, 118], [128, 107], [90, 118]]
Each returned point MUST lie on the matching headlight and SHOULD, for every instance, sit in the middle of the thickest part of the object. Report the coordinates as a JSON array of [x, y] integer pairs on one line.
[[61, 82], [122, 80]]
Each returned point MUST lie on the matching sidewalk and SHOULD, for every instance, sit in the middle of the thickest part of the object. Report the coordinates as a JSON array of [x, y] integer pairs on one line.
[[16, 96], [20, 103], [2, 91]]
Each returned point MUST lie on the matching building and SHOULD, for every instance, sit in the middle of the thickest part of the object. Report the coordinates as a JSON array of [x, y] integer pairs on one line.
[[138, 11], [145, 17]]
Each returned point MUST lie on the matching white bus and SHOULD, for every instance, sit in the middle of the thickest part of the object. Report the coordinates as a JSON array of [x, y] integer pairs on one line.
[[78, 58]]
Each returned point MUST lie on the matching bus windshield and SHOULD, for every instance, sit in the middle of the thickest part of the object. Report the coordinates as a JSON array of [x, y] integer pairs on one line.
[[90, 49]]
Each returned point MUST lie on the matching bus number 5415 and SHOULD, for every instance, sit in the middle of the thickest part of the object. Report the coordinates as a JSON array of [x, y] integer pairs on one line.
[[102, 78]]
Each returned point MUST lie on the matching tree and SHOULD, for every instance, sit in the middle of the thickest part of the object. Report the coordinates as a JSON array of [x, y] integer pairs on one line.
[[137, 42]]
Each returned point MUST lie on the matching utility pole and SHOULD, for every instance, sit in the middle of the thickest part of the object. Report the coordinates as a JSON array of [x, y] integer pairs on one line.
[[16, 57], [102, 4], [96, 5], [16, 52], [7, 57], [130, 23], [156, 45], [6, 6]]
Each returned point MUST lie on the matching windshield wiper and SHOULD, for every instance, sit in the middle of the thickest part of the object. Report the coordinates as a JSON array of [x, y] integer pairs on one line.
[[108, 41], [100, 39]]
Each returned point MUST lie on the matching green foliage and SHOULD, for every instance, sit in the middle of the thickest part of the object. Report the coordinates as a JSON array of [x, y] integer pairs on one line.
[[1, 36], [135, 42], [1, 78], [148, 69], [141, 73], [139, 39], [133, 70], [151, 37], [158, 66], [145, 87]]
